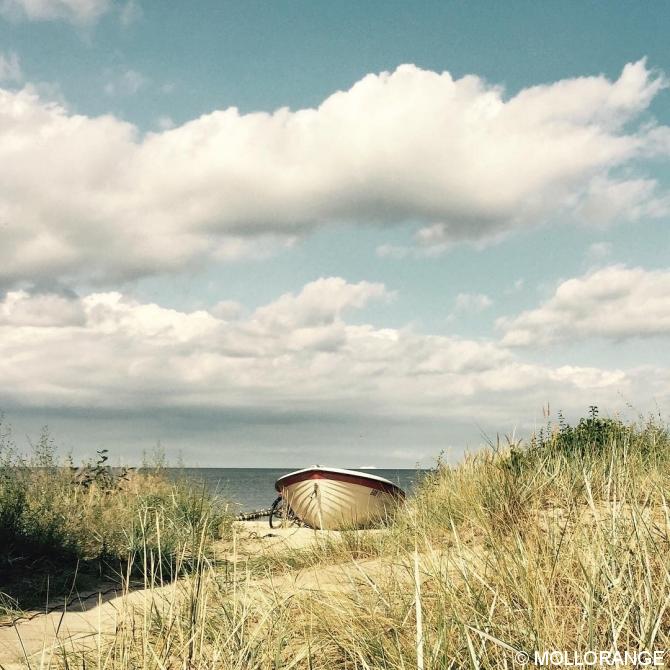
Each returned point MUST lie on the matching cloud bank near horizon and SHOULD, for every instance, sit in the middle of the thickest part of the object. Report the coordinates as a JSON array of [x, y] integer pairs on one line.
[[94, 200], [298, 353]]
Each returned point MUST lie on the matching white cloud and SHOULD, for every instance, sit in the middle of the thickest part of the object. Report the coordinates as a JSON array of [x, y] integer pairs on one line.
[[49, 92], [516, 286], [131, 13], [227, 310], [10, 67], [411, 145], [608, 200], [614, 302], [598, 251], [128, 82], [19, 309], [107, 350], [424, 249], [165, 122], [320, 303], [472, 303], [75, 11], [260, 247], [395, 251]]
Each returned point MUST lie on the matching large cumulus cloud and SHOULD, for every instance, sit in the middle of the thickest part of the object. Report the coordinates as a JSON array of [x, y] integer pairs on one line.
[[93, 198]]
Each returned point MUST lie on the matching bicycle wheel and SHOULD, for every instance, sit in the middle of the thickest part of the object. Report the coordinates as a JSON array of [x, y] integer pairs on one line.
[[277, 513], [281, 515]]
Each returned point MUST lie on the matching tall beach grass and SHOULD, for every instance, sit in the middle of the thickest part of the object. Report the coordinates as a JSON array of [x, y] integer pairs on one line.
[[559, 544], [65, 529]]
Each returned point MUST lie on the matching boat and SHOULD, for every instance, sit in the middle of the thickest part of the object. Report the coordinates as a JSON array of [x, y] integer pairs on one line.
[[333, 498]]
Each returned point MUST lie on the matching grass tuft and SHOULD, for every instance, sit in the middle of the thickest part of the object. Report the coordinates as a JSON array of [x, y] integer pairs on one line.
[[66, 529]]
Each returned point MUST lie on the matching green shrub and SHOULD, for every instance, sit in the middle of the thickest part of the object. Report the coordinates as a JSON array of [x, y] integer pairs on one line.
[[93, 521]]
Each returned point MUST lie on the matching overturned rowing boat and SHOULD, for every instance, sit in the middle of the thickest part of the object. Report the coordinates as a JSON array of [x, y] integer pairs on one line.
[[332, 498]]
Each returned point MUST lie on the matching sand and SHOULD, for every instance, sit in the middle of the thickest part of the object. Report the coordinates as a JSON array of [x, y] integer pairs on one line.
[[257, 537], [84, 623]]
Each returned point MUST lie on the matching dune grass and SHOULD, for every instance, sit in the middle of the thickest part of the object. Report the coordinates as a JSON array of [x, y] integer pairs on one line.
[[66, 529], [560, 544]]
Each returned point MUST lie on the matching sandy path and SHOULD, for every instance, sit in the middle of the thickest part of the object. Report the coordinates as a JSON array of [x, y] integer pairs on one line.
[[83, 624]]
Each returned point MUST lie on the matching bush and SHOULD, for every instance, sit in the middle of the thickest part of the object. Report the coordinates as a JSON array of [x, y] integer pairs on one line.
[[93, 521]]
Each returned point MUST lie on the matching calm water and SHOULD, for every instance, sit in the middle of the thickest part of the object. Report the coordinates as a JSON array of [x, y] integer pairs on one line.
[[254, 488]]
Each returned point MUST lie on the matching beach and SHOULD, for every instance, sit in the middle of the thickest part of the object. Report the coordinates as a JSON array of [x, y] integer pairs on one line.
[[549, 545], [332, 335], [82, 623]]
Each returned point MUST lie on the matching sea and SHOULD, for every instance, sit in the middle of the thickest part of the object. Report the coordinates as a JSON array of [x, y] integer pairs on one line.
[[249, 489]]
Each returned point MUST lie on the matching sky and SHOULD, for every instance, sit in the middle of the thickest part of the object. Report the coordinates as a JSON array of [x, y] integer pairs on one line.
[[274, 234]]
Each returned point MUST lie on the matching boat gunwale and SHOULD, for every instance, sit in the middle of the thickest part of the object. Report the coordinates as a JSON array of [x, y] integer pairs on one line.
[[348, 476]]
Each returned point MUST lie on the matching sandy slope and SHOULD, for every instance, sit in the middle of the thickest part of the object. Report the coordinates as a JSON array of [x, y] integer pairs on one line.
[[85, 622]]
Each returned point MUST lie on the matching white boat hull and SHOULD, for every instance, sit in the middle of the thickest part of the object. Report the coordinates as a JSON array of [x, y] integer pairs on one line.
[[332, 499]]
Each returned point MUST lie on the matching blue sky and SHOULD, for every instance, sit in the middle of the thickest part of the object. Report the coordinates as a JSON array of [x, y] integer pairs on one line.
[[473, 227], [258, 55]]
